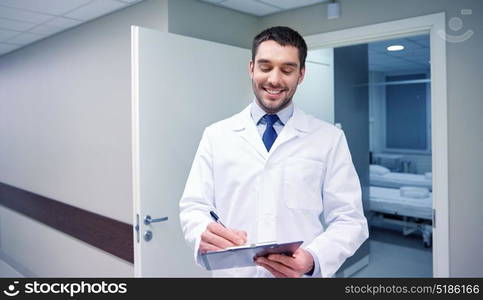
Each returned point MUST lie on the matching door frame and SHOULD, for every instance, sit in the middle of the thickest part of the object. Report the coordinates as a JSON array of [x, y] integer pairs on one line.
[[135, 147], [435, 26]]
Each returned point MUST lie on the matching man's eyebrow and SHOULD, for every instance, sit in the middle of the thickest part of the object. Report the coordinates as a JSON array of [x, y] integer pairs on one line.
[[263, 61], [266, 61], [291, 64]]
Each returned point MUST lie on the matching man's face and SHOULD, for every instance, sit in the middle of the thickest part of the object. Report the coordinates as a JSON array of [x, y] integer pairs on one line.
[[275, 75]]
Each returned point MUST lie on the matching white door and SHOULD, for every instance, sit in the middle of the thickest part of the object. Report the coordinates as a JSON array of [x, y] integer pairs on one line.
[[180, 85]]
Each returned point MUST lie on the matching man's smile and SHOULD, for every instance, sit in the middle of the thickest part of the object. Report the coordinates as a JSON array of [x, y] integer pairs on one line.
[[273, 91]]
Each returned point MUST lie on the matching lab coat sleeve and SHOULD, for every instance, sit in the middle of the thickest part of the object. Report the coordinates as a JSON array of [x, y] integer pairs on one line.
[[316, 271], [197, 199], [343, 214]]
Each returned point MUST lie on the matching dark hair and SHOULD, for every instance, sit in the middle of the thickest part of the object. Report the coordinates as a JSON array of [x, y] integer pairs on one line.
[[283, 36]]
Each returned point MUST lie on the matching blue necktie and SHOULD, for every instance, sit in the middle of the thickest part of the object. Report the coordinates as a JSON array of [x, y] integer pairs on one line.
[[270, 134]]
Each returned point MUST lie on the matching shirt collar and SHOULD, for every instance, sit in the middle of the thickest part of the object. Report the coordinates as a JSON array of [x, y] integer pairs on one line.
[[284, 115]]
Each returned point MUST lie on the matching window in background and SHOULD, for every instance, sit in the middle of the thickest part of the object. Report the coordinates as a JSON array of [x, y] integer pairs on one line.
[[407, 121]]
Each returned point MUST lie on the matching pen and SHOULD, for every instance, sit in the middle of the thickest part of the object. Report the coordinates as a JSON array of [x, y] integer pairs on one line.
[[216, 218]]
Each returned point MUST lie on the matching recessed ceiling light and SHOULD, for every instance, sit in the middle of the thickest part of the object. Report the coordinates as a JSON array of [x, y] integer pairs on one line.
[[395, 48]]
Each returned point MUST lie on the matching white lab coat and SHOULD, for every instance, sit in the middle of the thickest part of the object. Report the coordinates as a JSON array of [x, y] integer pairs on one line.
[[283, 195]]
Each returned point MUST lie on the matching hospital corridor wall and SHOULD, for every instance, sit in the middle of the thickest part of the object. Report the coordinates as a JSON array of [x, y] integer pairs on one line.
[[65, 119]]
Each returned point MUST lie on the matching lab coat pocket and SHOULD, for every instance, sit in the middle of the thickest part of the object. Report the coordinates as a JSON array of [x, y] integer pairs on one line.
[[303, 180]]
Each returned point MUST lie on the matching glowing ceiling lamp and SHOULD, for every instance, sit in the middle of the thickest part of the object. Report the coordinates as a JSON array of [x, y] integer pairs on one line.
[[395, 48]]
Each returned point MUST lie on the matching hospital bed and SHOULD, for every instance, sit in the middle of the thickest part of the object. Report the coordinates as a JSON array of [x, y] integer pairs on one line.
[[383, 177], [407, 207]]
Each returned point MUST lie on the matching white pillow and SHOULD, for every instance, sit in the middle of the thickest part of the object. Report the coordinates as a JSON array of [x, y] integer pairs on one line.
[[414, 192], [378, 170], [428, 175]]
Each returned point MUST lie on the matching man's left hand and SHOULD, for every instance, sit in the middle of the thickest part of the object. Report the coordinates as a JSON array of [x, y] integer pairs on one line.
[[282, 266]]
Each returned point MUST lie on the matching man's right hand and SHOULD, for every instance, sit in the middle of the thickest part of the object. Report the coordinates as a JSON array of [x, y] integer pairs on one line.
[[216, 237]]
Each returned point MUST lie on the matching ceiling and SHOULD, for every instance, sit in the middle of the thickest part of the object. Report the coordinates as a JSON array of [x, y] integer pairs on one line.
[[263, 7], [25, 21], [414, 57]]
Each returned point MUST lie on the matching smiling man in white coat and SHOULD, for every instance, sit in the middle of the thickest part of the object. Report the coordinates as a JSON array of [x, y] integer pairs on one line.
[[274, 173]]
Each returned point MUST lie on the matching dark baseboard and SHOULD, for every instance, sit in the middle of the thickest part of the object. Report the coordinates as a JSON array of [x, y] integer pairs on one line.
[[107, 234]]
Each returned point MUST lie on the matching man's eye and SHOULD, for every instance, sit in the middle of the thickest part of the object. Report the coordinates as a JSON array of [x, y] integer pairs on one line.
[[264, 69], [287, 71]]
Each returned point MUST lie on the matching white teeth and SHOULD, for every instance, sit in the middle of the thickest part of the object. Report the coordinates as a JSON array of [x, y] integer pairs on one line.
[[274, 91]]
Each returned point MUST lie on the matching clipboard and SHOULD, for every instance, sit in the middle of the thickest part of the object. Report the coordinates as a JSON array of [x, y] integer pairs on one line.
[[243, 256]]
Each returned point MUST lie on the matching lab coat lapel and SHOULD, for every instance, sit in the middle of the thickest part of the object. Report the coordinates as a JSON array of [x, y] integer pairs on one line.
[[296, 126], [245, 126]]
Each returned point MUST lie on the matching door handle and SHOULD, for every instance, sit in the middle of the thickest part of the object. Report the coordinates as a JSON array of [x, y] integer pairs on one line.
[[148, 220]]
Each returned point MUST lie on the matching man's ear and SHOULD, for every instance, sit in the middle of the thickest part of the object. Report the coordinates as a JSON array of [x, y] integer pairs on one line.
[[302, 75], [251, 65]]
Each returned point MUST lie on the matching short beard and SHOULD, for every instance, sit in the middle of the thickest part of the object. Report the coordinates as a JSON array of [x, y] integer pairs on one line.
[[286, 102], [274, 110]]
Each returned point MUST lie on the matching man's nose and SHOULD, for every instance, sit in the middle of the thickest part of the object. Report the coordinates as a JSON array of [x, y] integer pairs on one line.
[[274, 78]]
